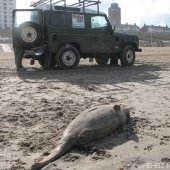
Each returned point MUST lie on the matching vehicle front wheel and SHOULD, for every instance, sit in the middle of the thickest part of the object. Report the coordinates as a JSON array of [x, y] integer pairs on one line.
[[102, 60], [127, 56], [68, 57]]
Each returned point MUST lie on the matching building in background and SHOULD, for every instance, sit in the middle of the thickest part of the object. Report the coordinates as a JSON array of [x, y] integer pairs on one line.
[[127, 27], [114, 14], [6, 8], [153, 28]]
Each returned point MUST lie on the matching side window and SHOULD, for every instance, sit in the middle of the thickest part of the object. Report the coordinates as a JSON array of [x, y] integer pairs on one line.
[[98, 22], [58, 19]]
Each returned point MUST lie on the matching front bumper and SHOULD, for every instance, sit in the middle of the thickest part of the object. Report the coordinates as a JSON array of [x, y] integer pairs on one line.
[[139, 50]]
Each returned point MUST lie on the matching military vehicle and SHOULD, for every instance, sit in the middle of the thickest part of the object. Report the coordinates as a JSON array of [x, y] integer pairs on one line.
[[60, 35]]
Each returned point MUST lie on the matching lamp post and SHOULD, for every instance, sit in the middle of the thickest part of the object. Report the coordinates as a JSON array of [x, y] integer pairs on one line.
[[151, 34]]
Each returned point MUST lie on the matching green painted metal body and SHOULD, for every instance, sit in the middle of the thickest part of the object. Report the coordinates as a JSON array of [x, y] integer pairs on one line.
[[90, 42]]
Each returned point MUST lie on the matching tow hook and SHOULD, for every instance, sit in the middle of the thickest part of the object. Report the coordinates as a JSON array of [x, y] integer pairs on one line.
[[91, 60], [32, 62]]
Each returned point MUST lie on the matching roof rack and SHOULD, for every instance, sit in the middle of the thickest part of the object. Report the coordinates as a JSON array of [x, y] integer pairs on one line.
[[80, 4], [69, 9], [52, 2], [86, 3]]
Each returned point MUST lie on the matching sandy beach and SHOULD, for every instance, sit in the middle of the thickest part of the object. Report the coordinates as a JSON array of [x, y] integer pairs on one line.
[[37, 105]]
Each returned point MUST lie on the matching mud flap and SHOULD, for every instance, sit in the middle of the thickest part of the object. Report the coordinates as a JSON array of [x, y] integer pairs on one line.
[[47, 59], [91, 60], [114, 61]]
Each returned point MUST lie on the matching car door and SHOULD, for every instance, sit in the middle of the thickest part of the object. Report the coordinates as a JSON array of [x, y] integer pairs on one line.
[[101, 36]]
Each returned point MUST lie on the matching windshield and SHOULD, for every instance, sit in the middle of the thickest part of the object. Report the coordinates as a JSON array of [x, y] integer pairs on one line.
[[24, 16]]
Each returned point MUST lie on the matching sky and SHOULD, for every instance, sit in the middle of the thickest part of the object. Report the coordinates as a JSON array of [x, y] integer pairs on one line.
[[149, 12]]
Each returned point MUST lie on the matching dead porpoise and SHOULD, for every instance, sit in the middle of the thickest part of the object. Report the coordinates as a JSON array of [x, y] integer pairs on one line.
[[90, 125]]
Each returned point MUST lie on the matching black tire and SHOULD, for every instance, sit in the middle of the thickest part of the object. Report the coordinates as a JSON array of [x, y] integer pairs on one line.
[[29, 35], [127, 56], [68, 57], [102, 60]]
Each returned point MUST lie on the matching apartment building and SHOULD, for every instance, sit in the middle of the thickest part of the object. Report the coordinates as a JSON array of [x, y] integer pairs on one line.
[[6, 8]]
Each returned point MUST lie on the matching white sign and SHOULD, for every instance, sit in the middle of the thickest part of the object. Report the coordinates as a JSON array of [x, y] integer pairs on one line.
[[78, 21]]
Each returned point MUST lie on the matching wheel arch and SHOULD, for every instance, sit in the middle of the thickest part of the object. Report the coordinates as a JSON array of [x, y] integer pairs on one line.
[[125, 43], [74, 44], [134, 45]]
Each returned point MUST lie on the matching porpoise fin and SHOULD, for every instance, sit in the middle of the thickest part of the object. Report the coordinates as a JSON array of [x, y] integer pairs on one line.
[[64, 147]]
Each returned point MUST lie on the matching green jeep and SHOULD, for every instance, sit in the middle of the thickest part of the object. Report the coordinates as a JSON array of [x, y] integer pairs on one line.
[[61, 35]]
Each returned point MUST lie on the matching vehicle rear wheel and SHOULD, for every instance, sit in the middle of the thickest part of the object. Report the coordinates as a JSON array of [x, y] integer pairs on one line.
[[102, 60], [127, 56], [29, 34], [68, 57]]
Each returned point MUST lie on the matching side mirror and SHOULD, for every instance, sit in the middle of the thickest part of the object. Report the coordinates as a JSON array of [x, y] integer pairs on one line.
[[114, 28]]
